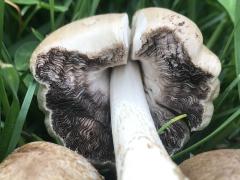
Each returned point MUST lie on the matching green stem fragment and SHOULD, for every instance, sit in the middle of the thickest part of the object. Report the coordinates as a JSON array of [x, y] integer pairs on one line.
[[171, 121]]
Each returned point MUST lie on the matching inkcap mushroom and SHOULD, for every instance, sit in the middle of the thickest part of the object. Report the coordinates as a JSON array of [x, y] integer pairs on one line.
[[46, 161]]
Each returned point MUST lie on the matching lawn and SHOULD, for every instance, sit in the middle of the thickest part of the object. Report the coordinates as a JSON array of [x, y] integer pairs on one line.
[[24, 23]]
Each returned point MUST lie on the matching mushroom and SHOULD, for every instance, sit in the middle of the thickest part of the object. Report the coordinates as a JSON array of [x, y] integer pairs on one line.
[[223, 164], [71, 65], [42, 160], [179, 77], [180, 74]]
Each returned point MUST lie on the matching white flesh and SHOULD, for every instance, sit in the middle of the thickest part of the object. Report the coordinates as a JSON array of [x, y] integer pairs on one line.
[[139, 151]]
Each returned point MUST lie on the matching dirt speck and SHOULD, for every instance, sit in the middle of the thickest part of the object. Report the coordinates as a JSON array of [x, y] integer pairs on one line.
[[181, 23]]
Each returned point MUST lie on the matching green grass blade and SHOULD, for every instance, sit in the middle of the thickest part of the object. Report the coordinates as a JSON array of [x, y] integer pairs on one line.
[[28, 19], [51, 4], [82, 10], [11, 78], [215, 36], [226, 113], [1, 123], [13, 126], [37, 34], [171, 121], [1, 22], [229, 5], [237, 42], [36, 138], [57, 8], [5, 54], [141, 4], [26, 2], [94, 6], [175, 4], [3, 97], [77, 6], [32, 136], [23, 54], [207, 138], [22, 116], [226, 92], [226, 47], [213, 19], [8, 128], [192, 9]]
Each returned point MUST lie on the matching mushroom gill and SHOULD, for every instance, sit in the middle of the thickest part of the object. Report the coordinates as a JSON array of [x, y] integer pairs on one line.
[[71, 65], [169, 47]]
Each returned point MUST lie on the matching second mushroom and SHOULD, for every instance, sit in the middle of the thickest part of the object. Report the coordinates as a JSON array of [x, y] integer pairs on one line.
[[73, 66]]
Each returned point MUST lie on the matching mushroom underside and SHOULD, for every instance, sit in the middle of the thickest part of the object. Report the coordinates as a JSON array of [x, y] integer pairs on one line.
[[80, 113], [173, 86], [75, 86], [77, 100]]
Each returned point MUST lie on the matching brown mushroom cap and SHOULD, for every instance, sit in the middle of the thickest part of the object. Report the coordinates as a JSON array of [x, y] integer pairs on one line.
[[213, 165], [46, 161]]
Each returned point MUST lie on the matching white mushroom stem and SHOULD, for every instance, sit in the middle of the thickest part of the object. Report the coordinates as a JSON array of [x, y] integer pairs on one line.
[[139, 151]]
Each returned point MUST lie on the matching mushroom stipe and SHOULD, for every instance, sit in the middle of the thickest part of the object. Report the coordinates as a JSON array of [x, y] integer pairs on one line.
[[72, 65]]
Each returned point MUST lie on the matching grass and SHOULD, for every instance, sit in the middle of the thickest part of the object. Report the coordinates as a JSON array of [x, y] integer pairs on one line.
[[171, 121], [237, 41], [21, 121]]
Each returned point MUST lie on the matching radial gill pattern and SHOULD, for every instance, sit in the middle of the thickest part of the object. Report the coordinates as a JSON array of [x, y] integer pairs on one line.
[[179, 86], [78, 110]]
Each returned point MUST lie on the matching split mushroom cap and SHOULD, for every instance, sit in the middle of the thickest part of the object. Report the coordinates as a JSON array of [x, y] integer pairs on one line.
[[42, 160], [213, 165], [71, 67], [179, 72]]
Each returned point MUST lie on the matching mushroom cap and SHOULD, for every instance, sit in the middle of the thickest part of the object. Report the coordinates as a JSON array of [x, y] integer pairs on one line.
[[90, 36], [179, 72], [149, 19], [213, 165], [71, 65], [48, 161]]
